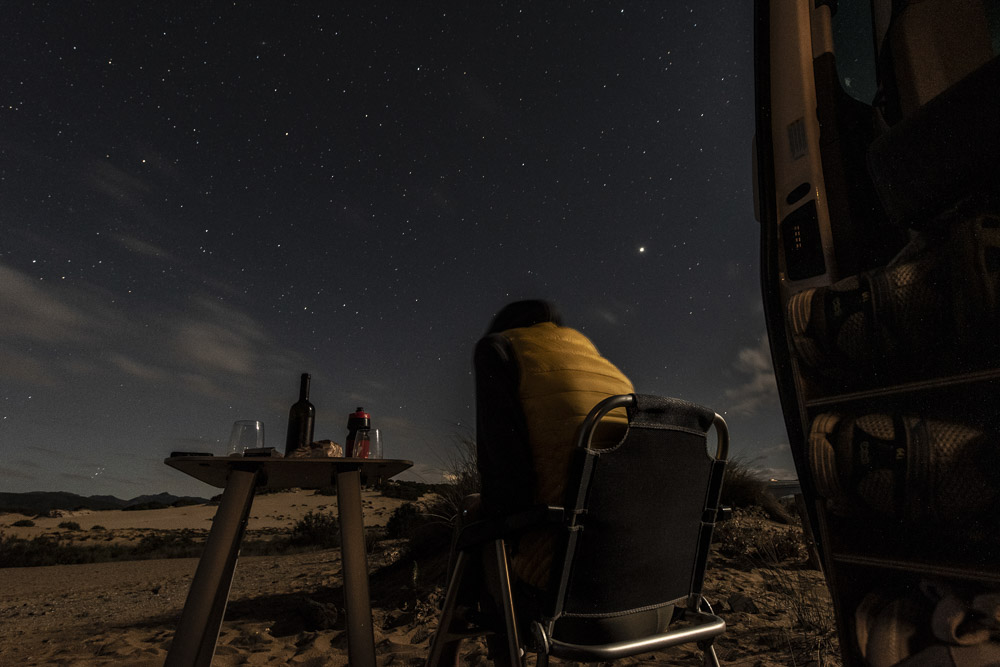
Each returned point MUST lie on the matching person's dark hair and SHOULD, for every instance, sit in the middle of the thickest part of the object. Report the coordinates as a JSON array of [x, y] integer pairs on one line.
[[524, 314]]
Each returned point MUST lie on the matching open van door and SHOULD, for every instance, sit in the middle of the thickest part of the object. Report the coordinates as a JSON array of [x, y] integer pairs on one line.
[[877, 187]]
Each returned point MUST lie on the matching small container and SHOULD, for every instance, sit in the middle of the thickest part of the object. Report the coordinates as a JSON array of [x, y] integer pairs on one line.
[[358, 437]]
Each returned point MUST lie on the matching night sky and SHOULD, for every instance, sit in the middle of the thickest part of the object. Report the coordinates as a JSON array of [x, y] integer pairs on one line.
[[199, 202]]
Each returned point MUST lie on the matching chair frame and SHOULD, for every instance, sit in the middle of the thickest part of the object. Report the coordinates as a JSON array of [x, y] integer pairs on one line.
[[698, 623]]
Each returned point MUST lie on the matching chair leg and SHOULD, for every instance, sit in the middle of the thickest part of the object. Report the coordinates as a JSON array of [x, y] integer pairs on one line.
[[513, 645], [444, 646], [711, 660], [447, 639]]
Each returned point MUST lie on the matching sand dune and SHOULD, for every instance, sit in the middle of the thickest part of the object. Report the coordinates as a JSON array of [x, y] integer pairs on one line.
[[270, 511], [288, 609]]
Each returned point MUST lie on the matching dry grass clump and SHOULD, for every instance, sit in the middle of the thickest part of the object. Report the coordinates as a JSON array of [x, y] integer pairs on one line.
[[751, 537], [462, 473], [743, 487], [810, 635], [807, 635]]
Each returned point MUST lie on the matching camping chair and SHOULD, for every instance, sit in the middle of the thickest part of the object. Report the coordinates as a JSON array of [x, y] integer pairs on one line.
[[633, 536]]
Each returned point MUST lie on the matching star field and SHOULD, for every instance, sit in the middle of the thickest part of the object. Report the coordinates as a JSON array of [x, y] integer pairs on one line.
[[202, 202]]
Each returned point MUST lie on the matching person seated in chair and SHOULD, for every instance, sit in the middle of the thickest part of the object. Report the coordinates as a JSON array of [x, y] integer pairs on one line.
[[536, 381]]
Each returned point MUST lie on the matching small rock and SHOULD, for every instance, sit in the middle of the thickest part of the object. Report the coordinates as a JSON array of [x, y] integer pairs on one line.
[[741, 603], [423, 633], [398, 617], [317, 615]]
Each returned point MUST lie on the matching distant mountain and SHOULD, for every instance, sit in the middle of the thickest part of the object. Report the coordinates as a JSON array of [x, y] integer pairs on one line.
[[39, 502]]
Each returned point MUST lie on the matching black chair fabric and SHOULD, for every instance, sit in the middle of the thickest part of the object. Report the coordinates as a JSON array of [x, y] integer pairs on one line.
[[638, 545]]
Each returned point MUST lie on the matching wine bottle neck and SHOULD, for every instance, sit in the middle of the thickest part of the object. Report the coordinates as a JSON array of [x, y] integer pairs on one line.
[[304, 388]]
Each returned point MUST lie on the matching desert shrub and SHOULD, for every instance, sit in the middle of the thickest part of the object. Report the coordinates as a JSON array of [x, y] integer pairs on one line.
[[403, 521], [405, 490], [98, 527], [747, 535], [321, 529], [17, 552], [24, 523], [744, 488], [373, 537], [38, 551], [326, 491], [69, 525], [167, 545]]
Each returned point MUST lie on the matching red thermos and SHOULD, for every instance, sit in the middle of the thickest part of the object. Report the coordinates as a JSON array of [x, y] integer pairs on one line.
[[359, 425]]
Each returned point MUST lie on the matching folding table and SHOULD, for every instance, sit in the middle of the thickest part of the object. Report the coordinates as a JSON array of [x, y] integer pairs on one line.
[[198, 629]]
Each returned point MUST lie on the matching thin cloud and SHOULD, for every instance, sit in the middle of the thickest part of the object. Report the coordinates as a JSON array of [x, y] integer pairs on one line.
[[146, 248], [137, 368], [33, 312], [76, 477], [200, 384], [221, 338], [20, 367], [14, 473], [759, 390], [116, 183]]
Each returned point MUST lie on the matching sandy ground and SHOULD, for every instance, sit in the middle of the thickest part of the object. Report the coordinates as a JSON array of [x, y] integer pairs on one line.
[[287, 610], [270, 511]]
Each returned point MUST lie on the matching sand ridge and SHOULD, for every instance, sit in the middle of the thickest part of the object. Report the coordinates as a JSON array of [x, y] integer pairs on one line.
[[288, 609]]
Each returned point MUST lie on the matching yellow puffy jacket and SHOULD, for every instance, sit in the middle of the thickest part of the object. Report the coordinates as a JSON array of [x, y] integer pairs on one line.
[[562, 376]]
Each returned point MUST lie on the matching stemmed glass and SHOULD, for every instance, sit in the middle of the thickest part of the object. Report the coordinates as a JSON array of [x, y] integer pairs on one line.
[[247, 434], [367, 444]]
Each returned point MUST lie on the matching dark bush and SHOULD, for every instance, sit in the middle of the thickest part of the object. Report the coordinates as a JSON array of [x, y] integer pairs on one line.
[[69, 525], [24, 523], [167, 545], [321, 529], [373, 537], [403, 521], [406, 490], [17, 552]]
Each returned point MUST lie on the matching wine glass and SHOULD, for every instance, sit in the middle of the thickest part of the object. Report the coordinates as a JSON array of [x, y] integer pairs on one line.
[[375, 448], [247, 434]]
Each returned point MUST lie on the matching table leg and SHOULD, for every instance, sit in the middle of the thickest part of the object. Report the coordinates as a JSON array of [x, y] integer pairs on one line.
[[198, 630], [360, 636]]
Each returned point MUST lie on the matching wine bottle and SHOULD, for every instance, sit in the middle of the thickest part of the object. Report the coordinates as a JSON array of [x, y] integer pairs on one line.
[[301, 419]]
